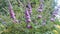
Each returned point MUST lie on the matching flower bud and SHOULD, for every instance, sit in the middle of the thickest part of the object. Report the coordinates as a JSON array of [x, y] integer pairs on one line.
[[29, 26], [40, 9], [26, 12], [52, 19], [27, 17], [28, 20], [39, 16]]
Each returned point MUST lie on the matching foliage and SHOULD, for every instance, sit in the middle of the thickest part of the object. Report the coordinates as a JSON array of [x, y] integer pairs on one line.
[[7, 26]]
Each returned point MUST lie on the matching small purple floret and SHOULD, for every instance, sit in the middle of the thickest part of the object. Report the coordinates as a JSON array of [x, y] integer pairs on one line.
[[52, 19], [39, 16], [29, 26]]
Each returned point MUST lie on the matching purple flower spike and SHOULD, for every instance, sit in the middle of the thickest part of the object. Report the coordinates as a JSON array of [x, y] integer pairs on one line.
[[27, 16], [12, 14], [11, 11], [29, 26]]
